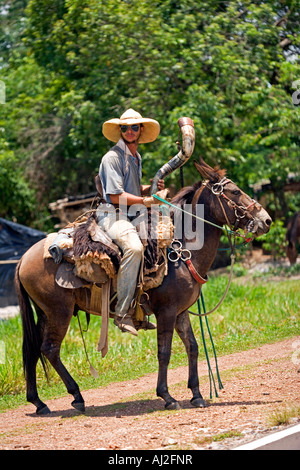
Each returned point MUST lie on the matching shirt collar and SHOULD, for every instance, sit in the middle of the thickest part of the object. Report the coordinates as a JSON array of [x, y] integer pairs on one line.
[[126, 150]]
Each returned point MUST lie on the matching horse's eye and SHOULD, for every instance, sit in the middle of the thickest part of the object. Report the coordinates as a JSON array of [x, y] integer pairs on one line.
[[236, 192]]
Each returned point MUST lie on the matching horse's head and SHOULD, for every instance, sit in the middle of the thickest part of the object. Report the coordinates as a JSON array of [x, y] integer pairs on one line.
[[234, 207]]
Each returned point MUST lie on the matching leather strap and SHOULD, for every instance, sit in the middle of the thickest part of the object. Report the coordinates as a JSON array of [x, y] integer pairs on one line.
[[194, 273], [103, 340]]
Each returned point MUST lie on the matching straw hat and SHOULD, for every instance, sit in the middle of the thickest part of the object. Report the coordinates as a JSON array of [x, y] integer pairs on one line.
[[111, 128]]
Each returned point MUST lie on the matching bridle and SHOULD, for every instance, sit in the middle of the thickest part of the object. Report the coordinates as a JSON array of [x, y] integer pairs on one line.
[[240, 211], [176, 252]]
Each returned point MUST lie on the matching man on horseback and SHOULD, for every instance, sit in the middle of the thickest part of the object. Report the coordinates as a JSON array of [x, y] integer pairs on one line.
[[120, 175]]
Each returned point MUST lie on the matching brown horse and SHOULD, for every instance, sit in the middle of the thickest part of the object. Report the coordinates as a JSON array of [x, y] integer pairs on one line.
[[224, 203], [292, 237]]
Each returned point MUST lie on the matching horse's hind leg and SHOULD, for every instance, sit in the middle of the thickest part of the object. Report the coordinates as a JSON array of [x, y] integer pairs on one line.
[[32, 357], [53, 337], [32, 340], [185, 332]]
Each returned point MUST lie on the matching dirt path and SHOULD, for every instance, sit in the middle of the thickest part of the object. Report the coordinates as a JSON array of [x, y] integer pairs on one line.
[[128, 415]]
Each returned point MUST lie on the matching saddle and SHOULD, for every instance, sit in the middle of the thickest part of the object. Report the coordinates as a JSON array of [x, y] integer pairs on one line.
[[87, 255], [89, 258]]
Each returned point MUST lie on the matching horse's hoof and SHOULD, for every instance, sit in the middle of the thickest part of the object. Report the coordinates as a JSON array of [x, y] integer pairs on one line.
[[173, 405], [43, 410], [78, 405], [198, 403]]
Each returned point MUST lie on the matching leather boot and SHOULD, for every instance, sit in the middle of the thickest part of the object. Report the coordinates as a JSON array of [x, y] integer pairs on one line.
[[125, 323]]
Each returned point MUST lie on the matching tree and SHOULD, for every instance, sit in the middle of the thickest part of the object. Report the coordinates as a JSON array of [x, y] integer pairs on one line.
[[229, 65], [17, 201]]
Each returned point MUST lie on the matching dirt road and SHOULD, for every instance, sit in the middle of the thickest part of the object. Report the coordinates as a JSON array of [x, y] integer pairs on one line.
[[128, 415]]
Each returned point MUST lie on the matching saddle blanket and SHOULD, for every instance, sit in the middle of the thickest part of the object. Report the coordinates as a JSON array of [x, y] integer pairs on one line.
[[87, 255]]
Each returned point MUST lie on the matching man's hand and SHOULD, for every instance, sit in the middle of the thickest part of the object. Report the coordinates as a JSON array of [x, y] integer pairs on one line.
[[146, 188], [161, 185], [149, 200]]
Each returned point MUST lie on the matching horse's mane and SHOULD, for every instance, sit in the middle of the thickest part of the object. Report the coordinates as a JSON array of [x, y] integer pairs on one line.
[[186, 194]]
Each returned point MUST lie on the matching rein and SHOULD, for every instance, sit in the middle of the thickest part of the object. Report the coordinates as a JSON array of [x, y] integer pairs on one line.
[[228, 231], [176, 251], [232, 256], [185, 255]]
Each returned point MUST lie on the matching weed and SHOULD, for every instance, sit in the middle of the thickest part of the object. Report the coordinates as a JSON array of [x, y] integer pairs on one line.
[[283, 416], [226, 435]]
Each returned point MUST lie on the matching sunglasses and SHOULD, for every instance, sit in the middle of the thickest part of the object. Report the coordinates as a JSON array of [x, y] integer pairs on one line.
[[134, 128]]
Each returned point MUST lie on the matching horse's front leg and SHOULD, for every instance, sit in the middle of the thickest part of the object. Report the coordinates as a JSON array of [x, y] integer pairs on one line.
[[185, 332], [165, 328]]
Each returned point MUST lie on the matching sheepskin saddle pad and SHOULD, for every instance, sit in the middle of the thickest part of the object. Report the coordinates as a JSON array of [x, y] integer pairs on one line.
[[88, 254]]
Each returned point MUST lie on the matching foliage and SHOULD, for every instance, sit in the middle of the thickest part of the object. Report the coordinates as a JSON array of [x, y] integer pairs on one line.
[[69, 65], [17, 200], [274, 241]]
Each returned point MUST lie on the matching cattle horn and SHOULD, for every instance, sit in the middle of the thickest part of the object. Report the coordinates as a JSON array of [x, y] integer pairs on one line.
[[186, 126]]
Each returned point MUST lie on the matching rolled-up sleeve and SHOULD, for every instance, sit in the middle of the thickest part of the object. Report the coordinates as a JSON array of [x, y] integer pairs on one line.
[[111, 174]]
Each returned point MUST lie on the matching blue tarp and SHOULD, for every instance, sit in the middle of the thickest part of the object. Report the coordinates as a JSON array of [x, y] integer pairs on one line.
[[15, 240]]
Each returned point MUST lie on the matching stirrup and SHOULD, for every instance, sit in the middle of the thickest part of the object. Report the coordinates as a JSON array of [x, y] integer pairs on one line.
[[145, 325], [125, 324]]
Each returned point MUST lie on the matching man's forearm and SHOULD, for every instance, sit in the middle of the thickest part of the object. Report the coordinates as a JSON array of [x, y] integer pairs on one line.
[[125, 199]]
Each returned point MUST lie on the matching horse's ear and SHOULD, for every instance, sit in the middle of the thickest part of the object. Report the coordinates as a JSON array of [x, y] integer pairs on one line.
[[206, 171]]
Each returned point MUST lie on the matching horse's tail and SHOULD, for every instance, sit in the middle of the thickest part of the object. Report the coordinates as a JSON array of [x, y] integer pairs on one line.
[[31, 333]]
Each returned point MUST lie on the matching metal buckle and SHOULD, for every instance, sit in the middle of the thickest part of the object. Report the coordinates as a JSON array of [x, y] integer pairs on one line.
[[146, 299], [178, 252], [188, 256], [242, 209], [173, 256], [217, 189], [178, 243]]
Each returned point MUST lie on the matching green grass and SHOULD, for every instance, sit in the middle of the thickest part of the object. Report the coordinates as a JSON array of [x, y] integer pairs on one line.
[[254, 313], [226, 435], [283, 415]]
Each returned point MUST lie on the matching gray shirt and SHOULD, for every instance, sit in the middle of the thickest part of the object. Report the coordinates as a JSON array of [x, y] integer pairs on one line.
[[119, 172]]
